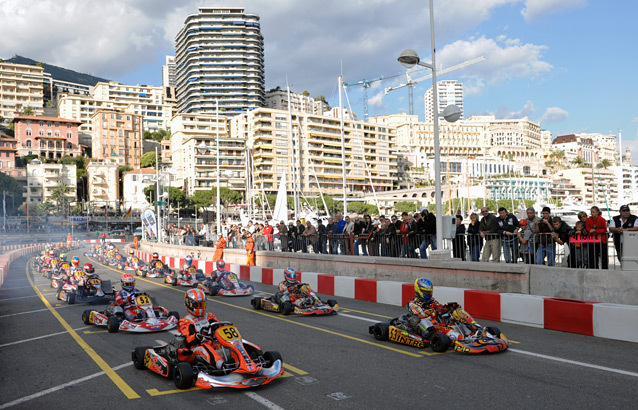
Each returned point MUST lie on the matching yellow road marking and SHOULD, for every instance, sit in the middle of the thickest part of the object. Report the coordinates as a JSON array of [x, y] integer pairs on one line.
[[95, 331], [294, 369], [368, 342], [155, 392], [119, 382]]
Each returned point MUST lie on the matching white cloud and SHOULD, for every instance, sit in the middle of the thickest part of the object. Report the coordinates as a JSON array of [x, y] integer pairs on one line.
[[536, 8], [635, 119], [554, 114], [376, 100], [504, 113], [505, 59]]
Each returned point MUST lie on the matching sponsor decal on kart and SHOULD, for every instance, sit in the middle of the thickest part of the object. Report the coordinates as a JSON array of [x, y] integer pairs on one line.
[[403, 337]]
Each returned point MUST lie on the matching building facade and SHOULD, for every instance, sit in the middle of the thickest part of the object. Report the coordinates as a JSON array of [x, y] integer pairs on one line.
[[7, 153], [21, 86], [48, 137], [103, 184], [450, 93], [219, 56], [44, 179], [133, 184], [597, 186], [117, 137], [82, 108], [278, 99]]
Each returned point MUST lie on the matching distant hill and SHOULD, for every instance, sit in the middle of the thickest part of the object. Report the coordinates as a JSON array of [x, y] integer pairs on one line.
[[59, 73]]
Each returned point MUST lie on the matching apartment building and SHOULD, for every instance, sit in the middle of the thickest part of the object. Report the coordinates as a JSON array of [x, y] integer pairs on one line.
[[54, 88], [219, 56], [7, 153], [278, 99], [369, 160], [48, 137], [103, 183], [574, 147], [82, 108], [450, 93], [194, 142], [21, 86], [117, 137], [598, 186], [44, 179], [134, 182]]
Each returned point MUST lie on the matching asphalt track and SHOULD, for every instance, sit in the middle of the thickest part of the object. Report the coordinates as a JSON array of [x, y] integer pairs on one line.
[[50, 359]]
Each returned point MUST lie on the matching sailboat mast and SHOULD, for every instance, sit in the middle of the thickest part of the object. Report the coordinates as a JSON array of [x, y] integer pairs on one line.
[[294, 162], [343, 145]]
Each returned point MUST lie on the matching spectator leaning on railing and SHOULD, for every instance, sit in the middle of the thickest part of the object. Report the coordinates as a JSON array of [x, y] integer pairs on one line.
[[544, 242], [507, 226], [525, 235], [597, 227], [532, 220], [488, 228], [621, 223], [458, 246], [474, 239]]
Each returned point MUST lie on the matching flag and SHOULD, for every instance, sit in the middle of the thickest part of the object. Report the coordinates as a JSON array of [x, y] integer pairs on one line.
[[26, 209], [106, 210], [129, 212]]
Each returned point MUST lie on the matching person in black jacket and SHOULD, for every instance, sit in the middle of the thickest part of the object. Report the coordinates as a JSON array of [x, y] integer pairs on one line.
[[474, 240], [507, 226], [458, 246], [429, 221], [321, 233], [488, 228], [622, 223]]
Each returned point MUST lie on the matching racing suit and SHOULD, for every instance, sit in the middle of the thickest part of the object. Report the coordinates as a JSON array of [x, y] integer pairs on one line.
[[291, 292], [424, 312], [123, 298], [189, 327], [185, 274]]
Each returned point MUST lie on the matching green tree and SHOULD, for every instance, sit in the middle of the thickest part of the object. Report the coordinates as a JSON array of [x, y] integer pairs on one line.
[[306, 93], [578, 161], [270, 200], [357, 207], [28, 110], [202, 199], [323, 99], [40, 64], [333, 206], [604, 163], [58, 195], [158, 135], [13, 191], [148, 160], [175, 195], [404, 206]]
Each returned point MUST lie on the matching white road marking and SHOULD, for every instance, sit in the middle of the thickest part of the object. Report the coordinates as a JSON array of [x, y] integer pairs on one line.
[[261, 400], [576, 363], [60, 387], [21, 297], [358, 317], [17, 287], [34, 311], [160, 342], [40, 337]]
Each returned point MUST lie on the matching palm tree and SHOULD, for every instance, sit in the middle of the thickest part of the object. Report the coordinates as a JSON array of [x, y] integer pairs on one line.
[[578, 161], [604, 163], [59, 196]]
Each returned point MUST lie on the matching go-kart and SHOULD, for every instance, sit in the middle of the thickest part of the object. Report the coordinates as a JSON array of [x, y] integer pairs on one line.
[[191, 278], [88, 288], [226, 285], [148, 316], [155, 269], [244, 366], [454, 328], [59, 274], [305, 302]]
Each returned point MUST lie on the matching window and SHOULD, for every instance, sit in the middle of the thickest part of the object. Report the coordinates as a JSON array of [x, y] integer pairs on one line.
[[49, 133], [69, 135], [28, 132], [69, 145], [57, 133], [41, 123], [41, 133], [29, 144], [68, 126], [48, 123]]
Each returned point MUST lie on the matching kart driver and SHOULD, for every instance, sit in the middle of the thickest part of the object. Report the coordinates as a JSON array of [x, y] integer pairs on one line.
[[75, 265], [290, 289], [191, 325], [220, 273], [423, 308], [188, 263], [131, 256], [124, 296]]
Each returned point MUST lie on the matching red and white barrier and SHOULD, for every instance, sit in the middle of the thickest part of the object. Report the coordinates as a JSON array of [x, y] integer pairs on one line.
[[106, 240], [16, 252], [606, 320]]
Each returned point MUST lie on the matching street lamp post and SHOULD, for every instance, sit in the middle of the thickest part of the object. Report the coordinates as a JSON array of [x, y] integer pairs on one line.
[[408, 59]]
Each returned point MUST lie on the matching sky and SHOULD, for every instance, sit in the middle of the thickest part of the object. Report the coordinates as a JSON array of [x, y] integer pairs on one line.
[[568, 64]]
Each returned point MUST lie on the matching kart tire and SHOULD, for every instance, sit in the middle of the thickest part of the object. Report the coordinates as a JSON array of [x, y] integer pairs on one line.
[[173, 313], [70, 298], [85, 317], [113, 324], [138, 357], [183, 375], [381, 331], [272, 357], [174, 283], [59, 282], [494, 331], [214, 290], [440, 342], [287, 308], [331, 302], [256, 302]]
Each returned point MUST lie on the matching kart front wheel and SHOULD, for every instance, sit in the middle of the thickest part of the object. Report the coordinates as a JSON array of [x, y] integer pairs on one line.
[[214, 290], [70, 298], [331, 302], [272, 357], [113, 324], [183, 375], [287, 308], [440, 342], [256, 302], [138, 357], [380, 331], [173, 313], [86, 315], [494, 331]]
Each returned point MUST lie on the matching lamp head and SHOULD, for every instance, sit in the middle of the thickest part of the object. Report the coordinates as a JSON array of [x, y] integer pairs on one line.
[[452, 113], [408, 58], [202, 147]]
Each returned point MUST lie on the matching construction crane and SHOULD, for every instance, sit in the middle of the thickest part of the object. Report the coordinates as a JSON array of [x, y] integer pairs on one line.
[[367, 84], [410, 83]]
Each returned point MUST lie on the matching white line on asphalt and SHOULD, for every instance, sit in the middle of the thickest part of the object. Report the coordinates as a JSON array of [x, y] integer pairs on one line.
[[34, 311], [591, 366], [40, 337], [17, 287], [358, 317], [160, 342], [21, 297], [261, 400], [60, 387]]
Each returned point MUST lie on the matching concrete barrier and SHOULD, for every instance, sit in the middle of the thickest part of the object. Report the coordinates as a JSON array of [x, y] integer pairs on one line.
[[16, 252]]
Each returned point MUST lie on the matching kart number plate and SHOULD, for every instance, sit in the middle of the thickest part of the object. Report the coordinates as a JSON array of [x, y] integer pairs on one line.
[[192, 270], [228, 333], [135, 260], [232, 276], [143, 300], [65, 266], [159, 264], [95, 281]]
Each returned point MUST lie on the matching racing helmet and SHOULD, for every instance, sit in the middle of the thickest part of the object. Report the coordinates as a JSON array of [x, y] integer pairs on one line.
[[423, 288], [221, 264], [131, 252], [63, 257], [188, 260], [88, 268], [52, 253], [128, 282], [75, 261], [155, 256], [195, 301], [290, 275]]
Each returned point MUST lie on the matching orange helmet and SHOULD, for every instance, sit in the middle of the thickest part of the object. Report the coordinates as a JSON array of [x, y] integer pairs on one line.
[[128, 282], [52, 253], [195, 301], [75, 261]]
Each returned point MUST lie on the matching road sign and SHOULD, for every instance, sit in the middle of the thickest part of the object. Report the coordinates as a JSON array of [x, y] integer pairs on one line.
[[79, 218]]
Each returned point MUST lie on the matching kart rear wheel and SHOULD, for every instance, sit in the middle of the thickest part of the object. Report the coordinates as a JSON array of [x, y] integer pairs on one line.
[[494, 331], [381, 331], [183, 375], [70, 298], [331, 302], [173, 313], [174, 281], [440, 342], [287, 308], [113, 324], [272, 357], [213, 290], [138, 357], [256, 302], [85, 317]]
